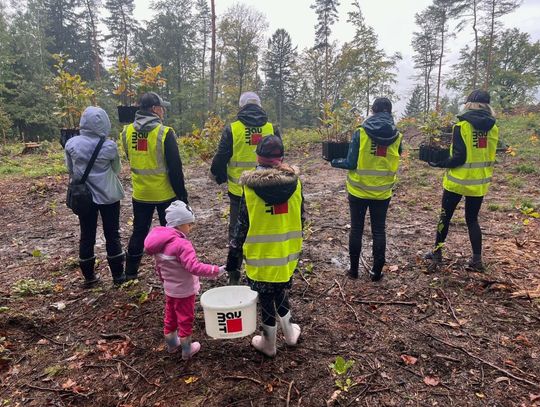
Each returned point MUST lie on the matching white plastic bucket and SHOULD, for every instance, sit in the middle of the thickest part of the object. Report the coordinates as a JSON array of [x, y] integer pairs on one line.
[[230, 311]]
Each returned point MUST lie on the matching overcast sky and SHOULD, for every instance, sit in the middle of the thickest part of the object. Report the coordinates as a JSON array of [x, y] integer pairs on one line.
[[393, 21]]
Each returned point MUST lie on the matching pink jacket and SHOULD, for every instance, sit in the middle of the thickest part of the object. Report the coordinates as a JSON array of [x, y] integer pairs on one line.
[[176, 262]]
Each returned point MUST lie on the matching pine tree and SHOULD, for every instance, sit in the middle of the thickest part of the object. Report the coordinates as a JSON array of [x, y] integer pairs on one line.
[[414, 106], [278, 67], [327, 15], [494, 10], [122, 27]]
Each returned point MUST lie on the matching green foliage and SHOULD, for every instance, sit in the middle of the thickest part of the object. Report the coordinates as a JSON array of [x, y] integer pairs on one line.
[[494, 207], [71, 94], [52, 371], [340, 369], [30, 287], [203, 143], [51, 161], [526, 169], [297, 138], [337, 123]]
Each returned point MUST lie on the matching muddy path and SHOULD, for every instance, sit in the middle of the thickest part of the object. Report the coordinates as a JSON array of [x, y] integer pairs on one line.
[[452, 337]]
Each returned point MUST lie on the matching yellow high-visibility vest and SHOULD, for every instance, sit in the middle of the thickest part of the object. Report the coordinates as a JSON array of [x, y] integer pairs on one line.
[[245, 140], [474, 177], [274, 240], [146, 155], [376, 170]]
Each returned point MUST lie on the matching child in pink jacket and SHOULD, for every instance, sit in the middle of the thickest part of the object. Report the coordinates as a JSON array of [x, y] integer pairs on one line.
[[179, 269]]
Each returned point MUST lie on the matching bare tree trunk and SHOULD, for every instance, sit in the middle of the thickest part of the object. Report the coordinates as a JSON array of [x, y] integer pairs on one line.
[[475, 29], [212, 59], [490, 47], [437, 105]]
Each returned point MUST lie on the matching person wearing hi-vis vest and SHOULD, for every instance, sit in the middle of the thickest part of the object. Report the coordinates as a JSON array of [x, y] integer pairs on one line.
[[469, 172], [156, 172], [373, 162], [269, 232], [236, 154]]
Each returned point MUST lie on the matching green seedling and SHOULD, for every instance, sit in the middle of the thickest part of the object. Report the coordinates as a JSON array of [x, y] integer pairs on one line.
[[340, 368], [29, 287]]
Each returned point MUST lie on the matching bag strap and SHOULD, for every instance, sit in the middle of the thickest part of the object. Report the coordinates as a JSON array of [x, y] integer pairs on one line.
[[92, 160]]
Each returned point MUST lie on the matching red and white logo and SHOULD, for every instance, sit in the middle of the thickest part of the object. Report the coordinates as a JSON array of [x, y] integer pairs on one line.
[[230, 322], [278, 209]]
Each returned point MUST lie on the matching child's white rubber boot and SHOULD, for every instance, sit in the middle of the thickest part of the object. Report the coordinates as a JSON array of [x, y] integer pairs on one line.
[[291, 331], [173, 341], [189, 348], [266, 341]]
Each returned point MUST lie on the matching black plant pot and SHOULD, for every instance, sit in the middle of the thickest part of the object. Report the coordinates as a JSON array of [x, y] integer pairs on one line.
[[66, 134], [331, 150], [126, 114], [433, 154]]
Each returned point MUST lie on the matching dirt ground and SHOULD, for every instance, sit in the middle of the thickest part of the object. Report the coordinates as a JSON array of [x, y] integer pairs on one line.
[[451, 337]]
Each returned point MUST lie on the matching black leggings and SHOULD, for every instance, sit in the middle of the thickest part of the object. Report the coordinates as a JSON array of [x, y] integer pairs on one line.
[[270, 302], [110, 216], [450, 201], [377, 212]]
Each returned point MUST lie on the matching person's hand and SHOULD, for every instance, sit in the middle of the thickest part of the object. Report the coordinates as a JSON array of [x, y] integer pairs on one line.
[[435, 165], [222, 270]]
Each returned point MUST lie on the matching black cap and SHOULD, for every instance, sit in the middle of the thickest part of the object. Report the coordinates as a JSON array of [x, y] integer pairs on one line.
[[479, 96], [270, 147], [150, 99], [381, 105]]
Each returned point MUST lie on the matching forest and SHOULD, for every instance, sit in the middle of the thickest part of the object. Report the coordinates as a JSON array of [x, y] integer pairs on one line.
[[204, 62], [422, 336]]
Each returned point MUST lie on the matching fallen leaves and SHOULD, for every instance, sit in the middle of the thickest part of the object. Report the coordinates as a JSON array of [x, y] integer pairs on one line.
[[432, 380], [114, 349], [409, 360]]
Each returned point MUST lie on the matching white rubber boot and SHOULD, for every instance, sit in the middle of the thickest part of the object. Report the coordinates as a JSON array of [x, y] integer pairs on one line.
[[173, 342], [189, 348], [291, 331], [266, 341]]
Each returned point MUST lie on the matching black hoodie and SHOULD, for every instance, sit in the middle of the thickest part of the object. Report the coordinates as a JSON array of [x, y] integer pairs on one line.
[[479, 119], [250, 115], [380, 128]]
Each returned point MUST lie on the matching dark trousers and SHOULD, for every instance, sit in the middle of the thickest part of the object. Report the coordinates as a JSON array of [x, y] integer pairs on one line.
[[234, 208], [377, 212], [450, 201], [142, 220], [110, 216], [270, 302]]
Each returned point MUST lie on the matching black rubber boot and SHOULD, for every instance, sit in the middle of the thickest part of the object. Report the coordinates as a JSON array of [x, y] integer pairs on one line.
[[352, 273], [376, 275], [132, 266], [87, 268], [116, 265]]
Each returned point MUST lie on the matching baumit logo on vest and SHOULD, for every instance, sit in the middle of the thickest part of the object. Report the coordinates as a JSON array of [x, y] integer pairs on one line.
[[253, 135], [480, 138], [278, 209], [378, 150]]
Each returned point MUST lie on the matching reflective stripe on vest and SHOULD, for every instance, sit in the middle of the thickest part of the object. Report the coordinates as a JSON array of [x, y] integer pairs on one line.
[[469, 181], [274, 239], [474, 176], [147, 161], [387, 187], [273, 262], [375, 174], [245, 140]]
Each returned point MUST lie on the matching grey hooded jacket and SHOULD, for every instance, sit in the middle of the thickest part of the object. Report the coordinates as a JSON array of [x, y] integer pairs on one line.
[[103, 178]]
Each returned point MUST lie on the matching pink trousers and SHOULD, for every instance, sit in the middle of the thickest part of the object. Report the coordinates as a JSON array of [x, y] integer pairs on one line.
[[179, 315]]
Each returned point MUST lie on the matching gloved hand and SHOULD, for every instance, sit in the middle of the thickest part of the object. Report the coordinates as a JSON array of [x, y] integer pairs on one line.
[[222, 270], [435, 165]]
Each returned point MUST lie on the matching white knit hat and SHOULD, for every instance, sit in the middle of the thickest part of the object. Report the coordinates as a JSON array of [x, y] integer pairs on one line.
[[178, 213], [249, 97]]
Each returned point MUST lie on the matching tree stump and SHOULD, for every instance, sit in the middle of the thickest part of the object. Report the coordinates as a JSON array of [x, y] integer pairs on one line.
[[30, 148]]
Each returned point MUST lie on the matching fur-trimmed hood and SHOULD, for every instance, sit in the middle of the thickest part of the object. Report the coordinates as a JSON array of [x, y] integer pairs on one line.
[[273, 185]]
